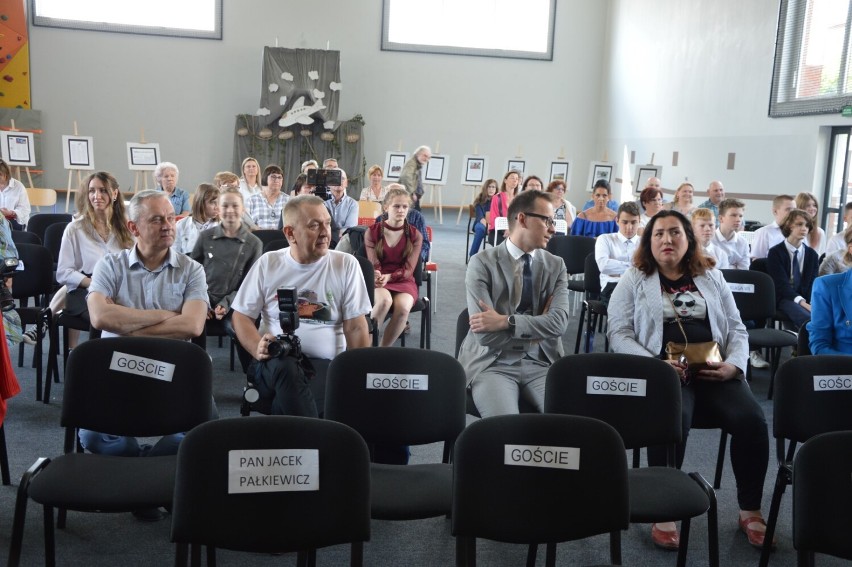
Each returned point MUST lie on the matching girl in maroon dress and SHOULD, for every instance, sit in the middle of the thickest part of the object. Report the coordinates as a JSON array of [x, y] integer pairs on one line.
[[393, 247]]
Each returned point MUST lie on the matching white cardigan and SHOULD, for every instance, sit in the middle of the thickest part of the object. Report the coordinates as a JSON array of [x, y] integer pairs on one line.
[[635, 310]]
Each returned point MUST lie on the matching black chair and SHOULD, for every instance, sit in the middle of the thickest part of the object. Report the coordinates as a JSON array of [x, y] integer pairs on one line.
[[38, 223], [267, 235], [803, 342], [397, 396], [216, 328], [822, 497], [462, 328], [101, 395], [35, 282], [592, 305], [576, 489], [53, 240], [274, 245], [754, 294], [657, 494], [24, 237], [573, 251], [212, 509], [808, 401], [66, 322], [421, 305]]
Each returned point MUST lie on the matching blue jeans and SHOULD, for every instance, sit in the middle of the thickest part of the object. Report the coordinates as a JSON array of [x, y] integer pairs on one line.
[[118, 446], [479, 231]]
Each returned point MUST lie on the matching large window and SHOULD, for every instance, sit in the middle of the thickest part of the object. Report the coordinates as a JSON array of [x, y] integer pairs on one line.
[[183, 18], [812, 58], [497, 28]]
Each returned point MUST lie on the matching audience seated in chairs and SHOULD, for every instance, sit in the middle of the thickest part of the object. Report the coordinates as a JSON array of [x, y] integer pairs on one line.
[[793, 266], [829, 327], [393, 247], [614, 251], [205, 214], [482, 204], [14, 201], [100, 229], [500, 203], [227, 252]]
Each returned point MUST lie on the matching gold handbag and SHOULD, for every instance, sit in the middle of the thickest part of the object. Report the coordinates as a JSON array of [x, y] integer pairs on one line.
[[696, 355]]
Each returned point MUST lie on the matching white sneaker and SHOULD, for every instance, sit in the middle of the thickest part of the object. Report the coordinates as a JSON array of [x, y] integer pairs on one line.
[[30, 337], [757, 360]]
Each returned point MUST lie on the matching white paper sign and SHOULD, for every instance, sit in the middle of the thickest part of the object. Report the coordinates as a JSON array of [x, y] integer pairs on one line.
[[602, 385], [273, 470], [377, 381], [542, 456], [832, 383], [141, 366], [741, 287]]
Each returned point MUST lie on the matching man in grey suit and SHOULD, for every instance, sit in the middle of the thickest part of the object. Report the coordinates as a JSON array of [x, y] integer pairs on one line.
[[517, 296]]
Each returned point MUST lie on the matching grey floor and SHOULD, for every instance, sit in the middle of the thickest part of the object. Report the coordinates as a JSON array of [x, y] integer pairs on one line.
[[32, 430]]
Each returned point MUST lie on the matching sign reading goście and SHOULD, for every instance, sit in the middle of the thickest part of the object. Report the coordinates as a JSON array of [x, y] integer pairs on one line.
[[273, 470]]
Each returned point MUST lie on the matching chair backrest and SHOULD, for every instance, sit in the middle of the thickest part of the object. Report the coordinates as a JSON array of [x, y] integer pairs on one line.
[[534, 478], [248, 484], [38, 223], [759, 265], [462, 328], [25, 236], [500, 224], [822, 491], [36, 279], [370, 209], [754, 293], [591, 275], [638, 395], [396, 395], [41, 197], [53, 238], [813, 395], [137, 386], [369, 274], [274, 245], [267, 235], [803, 344], [560, 226], [573, 251]]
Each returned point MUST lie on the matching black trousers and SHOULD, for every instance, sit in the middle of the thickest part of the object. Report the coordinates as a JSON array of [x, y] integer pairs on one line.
[[292, 392], [734, 407]]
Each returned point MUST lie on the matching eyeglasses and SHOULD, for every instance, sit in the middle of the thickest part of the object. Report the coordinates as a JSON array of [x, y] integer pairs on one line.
[[548, 221], [276, 177]]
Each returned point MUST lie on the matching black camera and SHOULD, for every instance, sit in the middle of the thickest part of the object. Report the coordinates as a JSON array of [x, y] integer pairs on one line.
[[7, 270], [287, 343], [321, 179]]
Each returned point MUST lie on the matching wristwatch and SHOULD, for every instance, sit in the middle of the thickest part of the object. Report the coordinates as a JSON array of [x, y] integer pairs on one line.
[[511, 323]]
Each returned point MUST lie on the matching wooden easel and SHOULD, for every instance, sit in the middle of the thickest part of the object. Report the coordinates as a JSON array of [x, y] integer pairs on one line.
[[70, 174], [142, 173], [439, 189], [18, 167], [464, 204]]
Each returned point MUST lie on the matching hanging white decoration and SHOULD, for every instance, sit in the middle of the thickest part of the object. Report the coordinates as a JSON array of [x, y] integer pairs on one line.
[[313, 75], [328, 124], [287, 76], [282, 101], [262, 112], [335, 86], [300, 113], [318, 94], [273, 87]]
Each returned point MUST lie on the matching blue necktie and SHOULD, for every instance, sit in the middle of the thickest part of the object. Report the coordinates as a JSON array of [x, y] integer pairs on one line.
[[526, 291], [797, 272]]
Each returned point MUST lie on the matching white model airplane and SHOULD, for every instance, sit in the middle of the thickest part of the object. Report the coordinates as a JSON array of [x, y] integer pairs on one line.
[[300, 113]]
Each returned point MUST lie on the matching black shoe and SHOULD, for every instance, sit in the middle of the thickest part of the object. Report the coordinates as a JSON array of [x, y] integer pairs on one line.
[[149, 515]]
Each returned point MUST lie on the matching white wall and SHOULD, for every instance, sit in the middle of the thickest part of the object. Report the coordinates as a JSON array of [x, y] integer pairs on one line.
[[694, 77], [185, 93]]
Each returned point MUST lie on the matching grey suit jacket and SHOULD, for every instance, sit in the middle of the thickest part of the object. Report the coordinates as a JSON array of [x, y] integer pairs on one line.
[[491, 278]]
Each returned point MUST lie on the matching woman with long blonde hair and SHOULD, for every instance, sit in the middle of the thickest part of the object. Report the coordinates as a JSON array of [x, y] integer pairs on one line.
[[816, 238]]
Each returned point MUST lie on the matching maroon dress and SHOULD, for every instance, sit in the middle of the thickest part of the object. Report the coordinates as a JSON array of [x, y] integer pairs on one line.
[[393, 260]]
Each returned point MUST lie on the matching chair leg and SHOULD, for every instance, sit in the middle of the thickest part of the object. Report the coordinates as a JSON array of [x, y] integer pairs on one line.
[[615, 547], [720, 459], [356, 554], [684, 542], [181, 554], [49, 538], [550, 555], [805, 559], [4, 458], [532, 554], [781, 481], [17, 541], [211, 555], [774, 357], [580, 329]]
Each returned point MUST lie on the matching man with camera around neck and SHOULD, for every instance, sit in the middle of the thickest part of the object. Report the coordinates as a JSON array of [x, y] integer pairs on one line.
[[332, 304]]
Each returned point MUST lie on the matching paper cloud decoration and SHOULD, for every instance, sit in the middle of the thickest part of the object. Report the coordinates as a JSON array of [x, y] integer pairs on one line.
[[282, 100], [262, 112], [287, 76], [313, 75], [318, 94], [273, 87], [335, 86], [328, 124]]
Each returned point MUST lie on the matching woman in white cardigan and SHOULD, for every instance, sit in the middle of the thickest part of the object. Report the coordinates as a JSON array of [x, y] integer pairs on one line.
[[673, 290]]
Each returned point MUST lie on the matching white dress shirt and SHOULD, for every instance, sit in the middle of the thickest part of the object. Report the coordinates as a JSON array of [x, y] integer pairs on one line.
[[765, 238], [735, 248], [14, 197], [614, 254]]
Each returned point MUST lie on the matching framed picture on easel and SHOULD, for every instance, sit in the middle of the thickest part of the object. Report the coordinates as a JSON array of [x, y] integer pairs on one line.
[[435, 171], [475, 170], [142, 157], [559, 171], [600, 170], [18, 148], [643, 174], [393, 164], [77, 152]]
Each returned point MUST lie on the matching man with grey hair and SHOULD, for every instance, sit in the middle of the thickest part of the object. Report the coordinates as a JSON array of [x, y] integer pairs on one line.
[[147, 291], [342, 208], [166, 176], [411, 177], [332, 304]]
